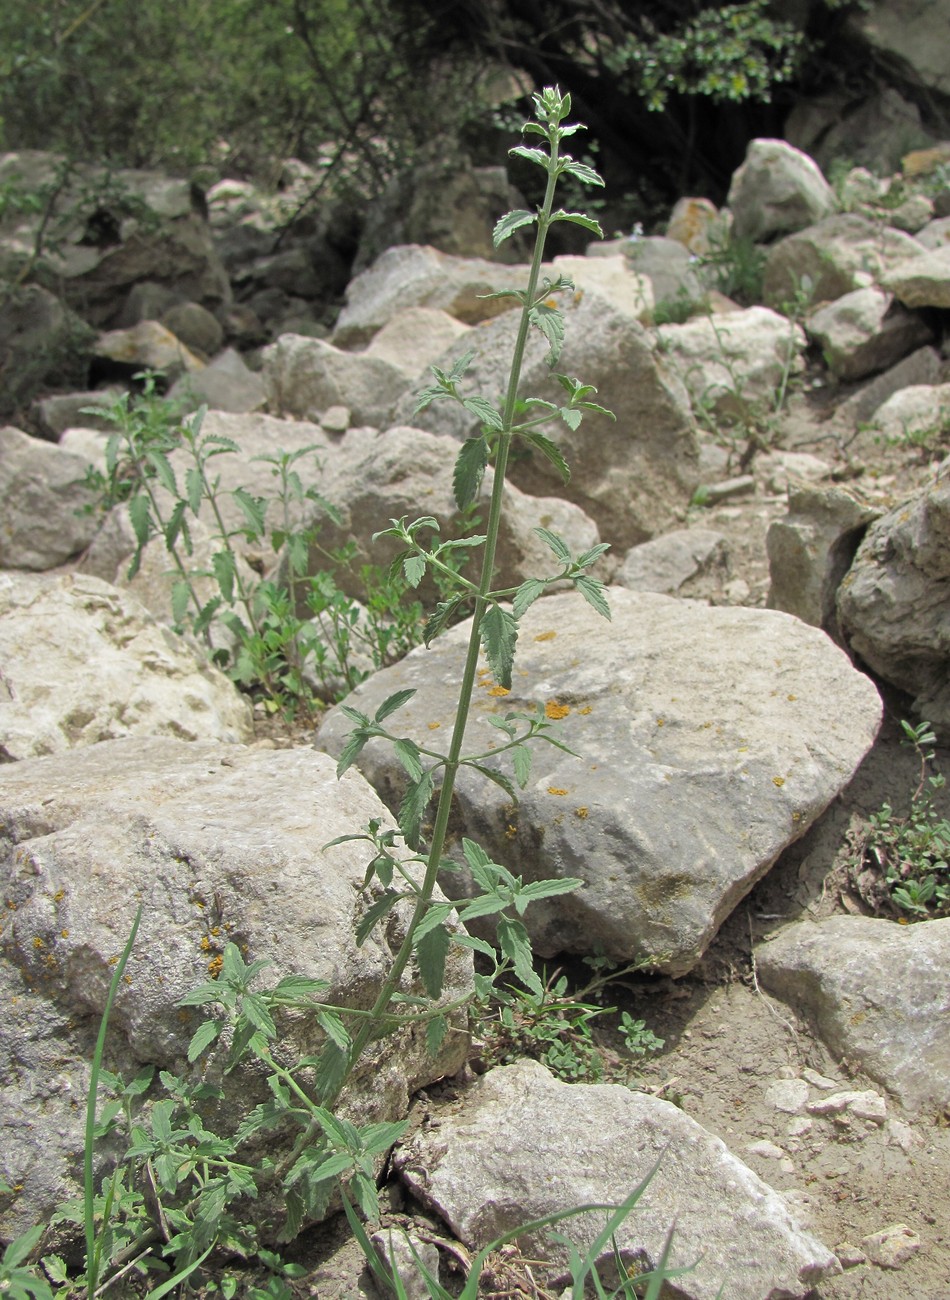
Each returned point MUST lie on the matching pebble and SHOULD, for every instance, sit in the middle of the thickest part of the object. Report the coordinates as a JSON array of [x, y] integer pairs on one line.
[[789, 1095], [850, 1256], [900, 1134], [818, 1080], [767, 1150], [863, 1105], [892, 1246]]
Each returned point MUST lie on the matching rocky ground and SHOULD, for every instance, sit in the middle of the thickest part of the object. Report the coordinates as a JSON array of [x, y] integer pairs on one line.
[[730, 1047]]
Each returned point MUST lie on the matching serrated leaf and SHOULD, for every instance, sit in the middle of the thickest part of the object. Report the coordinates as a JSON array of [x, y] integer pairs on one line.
[[181, 596], [521, 757], [174, 525], [299, 986], [253, 509], [514, 943], [413, 809], [163, 471], [437, 913], [551, 452], [579, 219], [594, 592], [332, 1065], [393, 702], [497, 778], [203, 1037], [498, 632], [206, 615], [533, 155], [469, 471], [477, 945], [351, 751], [592, 556], [556, 544], [510, 222], [484, 410], [550, 888], [253, 1006], [529, 591], [224, 568], [407, 751], [439, 619], [550, 322], [141, 518], [374, 914], [193, 489], [431, 952], [571, 417], [436, 1029], [414, 567], [582, 172], [335, 1030]]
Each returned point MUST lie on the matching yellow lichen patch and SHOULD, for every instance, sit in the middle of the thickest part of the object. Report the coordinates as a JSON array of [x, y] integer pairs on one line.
[[510, 831], [434, 726], [791, 697], [778, 780], [582, 813], [661, 722], [553, 789], [59, 895], [11, 906], [499, 690], [554, 710], [64, 934], [214, 966], [38, 943], [545, 636], [585, 710], [484, 672]]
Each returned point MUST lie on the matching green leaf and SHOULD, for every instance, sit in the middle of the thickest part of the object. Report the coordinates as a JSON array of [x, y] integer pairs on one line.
[[299, 986], [193, 489], [351, 751], [579, 219], [203, 1037], [484, 410], [374, 914], [497, 778], [514, 943], [332, 1066], [593, 591], [582, 172], [413, 809], [571, 417], [469, 471], [141, 518], [163, 471], [521, 757], [253, 510], [407, 751], [440, 618], [431, 952], [437, 913], [224, 568], [181, 595], [550, 322], [254, 1007], [510, 222], [436, 1029], [526, 595], [551, 451], [414, 567], [556, 544], [22, 1247], [392, 703], [173, 527], [550, 888], [206, 615], [335, 1030], [533, 155], [498, 632]]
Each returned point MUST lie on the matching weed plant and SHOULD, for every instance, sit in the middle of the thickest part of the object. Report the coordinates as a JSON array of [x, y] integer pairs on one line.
[[178, 1194], [296, 638], [901, 865]]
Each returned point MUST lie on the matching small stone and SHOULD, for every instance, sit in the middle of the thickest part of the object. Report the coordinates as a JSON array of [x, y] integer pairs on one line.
[[789, 1095], [900, 1134], [335, 419], [404, 1251], [818, 1080], [767, 1150], [744, 485], [863, 1105], [787, 1166], [892, 1246], [850, 1256], [799, 1126]]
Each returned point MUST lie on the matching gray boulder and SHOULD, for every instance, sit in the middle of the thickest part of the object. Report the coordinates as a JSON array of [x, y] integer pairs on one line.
[[41, 502], [864, 331], [893, 602], [82, 662], [594, 1145], [836, 255], [910, 35], [304, 376], [922, 280], [878, 994], [667, 269], [702, 746], [776, 190], [675, 561], [634, 476], [217, 843], [42, 344]]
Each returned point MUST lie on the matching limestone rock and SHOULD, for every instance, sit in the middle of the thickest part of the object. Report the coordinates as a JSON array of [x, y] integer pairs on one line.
[[304, 376], [574, 1147], [921, 367], [225, 384], [922, 280], [837, 255], [416, 337], [910, 34], [663, 263], [702, 743], [892, 603], [195, 326], [862, 332], [634, 476], [776, 190], [729, 363], [913, 413], [216, 842], [42, 343], [41, 495], [669, 563], [81, 662], [697, 225], [878, 994], [147, 346], [811, 550]]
